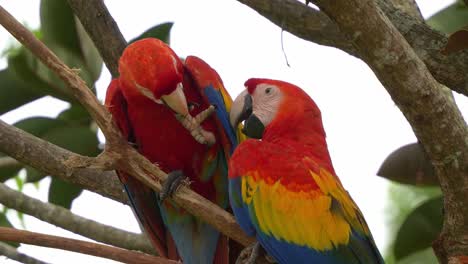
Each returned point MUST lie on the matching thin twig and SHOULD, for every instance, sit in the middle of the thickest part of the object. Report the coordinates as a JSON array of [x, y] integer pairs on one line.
[[11, 253], [8, 162], [118, 154], [65, 219], [75, 245]]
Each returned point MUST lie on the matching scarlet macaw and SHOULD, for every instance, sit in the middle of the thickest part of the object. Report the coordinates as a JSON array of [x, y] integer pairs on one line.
[[283, 188], [154, 86]]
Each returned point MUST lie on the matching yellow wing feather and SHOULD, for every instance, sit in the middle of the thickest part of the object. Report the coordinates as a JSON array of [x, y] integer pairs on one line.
[[303, 218]]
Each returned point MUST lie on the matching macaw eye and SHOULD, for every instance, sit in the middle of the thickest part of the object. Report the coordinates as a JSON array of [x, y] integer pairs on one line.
[[192, 105], [268, 90]]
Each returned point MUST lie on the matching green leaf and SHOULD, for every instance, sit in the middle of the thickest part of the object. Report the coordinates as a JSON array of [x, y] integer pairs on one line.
[[65, 36], [161, 31], [450, 19], [6, 223], [58, 25], [38, 126], [36, 75], [420, 228], [14, 92], [33, 175], [79, 139], [90, 53], [63, 193], [8, 171], [409, 165], [75, 114]]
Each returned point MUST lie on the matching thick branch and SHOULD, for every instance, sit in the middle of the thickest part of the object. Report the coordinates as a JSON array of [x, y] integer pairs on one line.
[[309, 24], [102, 29], [434, 117], [410, 7], [11, 253], [89, 248], [118, 153], [65, 219], [50, 159]]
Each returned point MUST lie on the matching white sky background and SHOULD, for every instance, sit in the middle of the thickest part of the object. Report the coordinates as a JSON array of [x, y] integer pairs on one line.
[[362, 123]]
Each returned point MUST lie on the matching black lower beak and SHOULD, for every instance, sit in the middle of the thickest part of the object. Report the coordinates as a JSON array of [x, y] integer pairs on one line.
[[253, 127]]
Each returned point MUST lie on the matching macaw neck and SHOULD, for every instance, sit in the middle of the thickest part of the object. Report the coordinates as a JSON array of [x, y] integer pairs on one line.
[[303, 132]]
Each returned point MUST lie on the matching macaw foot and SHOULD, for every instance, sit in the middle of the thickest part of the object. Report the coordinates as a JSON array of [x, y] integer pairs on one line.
[[174, 180], [193, 125], [249, 255]]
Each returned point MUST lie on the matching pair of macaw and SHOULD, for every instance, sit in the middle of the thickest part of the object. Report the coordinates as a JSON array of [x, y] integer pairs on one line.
[[282, 188]]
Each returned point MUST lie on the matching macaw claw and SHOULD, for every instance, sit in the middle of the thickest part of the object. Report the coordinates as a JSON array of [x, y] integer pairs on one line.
[[193, 125], [174, 180], [249, 254]]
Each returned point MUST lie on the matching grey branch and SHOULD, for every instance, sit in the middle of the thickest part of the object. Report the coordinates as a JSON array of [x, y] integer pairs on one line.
[[65, 219], [50, 159], [309, 24], [102, 29], [11, 253], [434, 117]]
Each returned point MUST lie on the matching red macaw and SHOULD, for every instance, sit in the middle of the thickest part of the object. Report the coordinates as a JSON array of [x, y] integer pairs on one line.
[[154, 87], [283, 188]]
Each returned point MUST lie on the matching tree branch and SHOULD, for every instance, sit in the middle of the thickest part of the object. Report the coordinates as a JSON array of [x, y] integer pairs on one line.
[[435, 119], [118, 154], [89, 248], [50, 159], [11, 253], [309, 24], [410, 7], [65, 219], [102, 29]]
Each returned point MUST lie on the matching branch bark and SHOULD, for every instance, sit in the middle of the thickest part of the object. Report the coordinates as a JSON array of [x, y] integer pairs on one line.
[[434, 117], [11, 253], [312, 25], [102, 29], [118, 154], [98, 250], [50, 159], [65, 219]]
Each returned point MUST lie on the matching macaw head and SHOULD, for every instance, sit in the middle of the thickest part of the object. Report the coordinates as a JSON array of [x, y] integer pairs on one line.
[[266, 104], [152, 68]]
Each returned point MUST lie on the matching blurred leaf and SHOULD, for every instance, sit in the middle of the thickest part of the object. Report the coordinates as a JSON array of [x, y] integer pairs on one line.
[[19, 183], [409, 165], [75, 114], [38, 126], [8, 171], [450, 19], [6, 223], [420, 228], [79, 139], [68, 40], [14, 92], [36, 75], [456, 41], [58, 25], [161, 31], [90, 53], [20, 216], [63, 193], [33, 175]]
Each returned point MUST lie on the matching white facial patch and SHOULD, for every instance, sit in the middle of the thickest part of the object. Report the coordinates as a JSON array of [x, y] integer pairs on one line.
[[266, 100], [146, 92]]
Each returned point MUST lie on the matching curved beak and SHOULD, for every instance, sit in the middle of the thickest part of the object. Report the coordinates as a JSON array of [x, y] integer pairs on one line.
[[176, 100], [242, 109]]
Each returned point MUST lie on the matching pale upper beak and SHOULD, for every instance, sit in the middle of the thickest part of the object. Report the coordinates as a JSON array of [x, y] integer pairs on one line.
[[176, 100], [241, 109]]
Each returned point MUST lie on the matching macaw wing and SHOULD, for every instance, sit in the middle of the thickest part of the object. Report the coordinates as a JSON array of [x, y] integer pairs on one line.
[[142, 198], [212, 90], [299, 211]]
